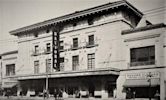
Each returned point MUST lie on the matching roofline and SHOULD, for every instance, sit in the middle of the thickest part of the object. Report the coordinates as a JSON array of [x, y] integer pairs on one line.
[[75, 15], [9, 52], [139, 29]]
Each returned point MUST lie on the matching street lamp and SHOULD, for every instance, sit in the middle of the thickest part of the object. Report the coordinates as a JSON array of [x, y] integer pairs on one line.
[[149, 76]]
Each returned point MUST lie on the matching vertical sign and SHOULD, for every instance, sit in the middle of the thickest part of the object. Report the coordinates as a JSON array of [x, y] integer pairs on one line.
[[55, 50]]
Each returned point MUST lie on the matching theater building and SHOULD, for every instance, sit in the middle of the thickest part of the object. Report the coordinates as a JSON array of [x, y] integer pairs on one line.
[[85, 52], [86, 44]]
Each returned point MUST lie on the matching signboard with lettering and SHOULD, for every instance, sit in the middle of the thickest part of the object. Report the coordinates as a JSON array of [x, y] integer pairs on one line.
[[144, 75]]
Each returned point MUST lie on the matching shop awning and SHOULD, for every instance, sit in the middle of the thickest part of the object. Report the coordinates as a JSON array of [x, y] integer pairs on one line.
[[9, 85], [141, 83]]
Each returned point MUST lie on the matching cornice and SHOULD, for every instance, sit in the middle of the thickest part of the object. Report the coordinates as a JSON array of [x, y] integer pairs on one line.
[[145, 28], [77, 14]]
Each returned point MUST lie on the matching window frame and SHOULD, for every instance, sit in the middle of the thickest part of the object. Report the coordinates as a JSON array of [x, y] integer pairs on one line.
[[75, 62], [61, 46], [48, 65], [36, 67], [91, 61], [48, 47], [75, 43], [62, 61], [147, 57], [36, 49], [10, 69], [91, 40]]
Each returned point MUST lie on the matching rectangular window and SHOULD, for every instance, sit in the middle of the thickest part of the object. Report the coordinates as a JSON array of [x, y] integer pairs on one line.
[[91, 61], [142, 56], [48, 47], [61, 45], [10, 69], [75, 64], [91, 40], [36, 49], [48, 65], [62, 64], [36, 67], [75, 43]]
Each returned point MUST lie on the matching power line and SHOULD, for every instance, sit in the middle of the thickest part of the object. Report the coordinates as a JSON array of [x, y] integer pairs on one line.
[[163, 7]]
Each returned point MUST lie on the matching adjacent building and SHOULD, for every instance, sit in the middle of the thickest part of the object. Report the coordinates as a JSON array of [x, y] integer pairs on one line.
[[8, 70], [98, 52], [145, 61]]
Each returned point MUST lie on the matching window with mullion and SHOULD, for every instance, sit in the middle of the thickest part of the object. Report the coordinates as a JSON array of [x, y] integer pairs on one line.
[[48, 47], [10, 69], [48, 65], [61, 45], [75, 64], [62, 63], [91, 39], [91, 61], [36, 49], [36, 67], [143, 55], [75, 42]]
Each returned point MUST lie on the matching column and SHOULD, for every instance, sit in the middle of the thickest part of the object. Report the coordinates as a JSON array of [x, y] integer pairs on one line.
[[162, 86], [104, 93]]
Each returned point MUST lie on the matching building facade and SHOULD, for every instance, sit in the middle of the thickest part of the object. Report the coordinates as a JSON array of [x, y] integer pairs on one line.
[[88, 54], [145, 56], [8, 70]]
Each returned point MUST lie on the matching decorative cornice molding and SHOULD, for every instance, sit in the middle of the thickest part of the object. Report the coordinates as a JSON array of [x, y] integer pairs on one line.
[[77, 14]]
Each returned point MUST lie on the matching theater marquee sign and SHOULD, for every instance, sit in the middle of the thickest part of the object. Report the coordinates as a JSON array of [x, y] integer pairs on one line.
[[144, 75]]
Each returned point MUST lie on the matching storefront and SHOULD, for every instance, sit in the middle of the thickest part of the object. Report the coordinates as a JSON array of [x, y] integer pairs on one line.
[[142, 85], [73, 85], [9, 88]]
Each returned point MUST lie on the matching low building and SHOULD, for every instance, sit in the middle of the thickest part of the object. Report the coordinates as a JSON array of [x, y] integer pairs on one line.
[[145, 60], [8, 70]]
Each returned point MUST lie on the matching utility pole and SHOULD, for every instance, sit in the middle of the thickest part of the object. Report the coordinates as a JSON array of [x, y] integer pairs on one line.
[[1, 72], [149, 76]]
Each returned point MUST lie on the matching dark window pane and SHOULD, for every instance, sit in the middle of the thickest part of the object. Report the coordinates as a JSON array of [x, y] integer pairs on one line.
[[75, 42], [10, 69], [143, 56], [91, 40]]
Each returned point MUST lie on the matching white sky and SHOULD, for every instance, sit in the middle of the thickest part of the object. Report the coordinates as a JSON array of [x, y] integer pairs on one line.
[[19, 13]]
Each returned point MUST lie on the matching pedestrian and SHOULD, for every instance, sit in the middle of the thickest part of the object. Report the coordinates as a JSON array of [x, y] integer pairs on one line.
[[8, 93], [157, 95], [60, 93], [128, 94], [21, 94], [55, 94], [114, 93], [44, 93]]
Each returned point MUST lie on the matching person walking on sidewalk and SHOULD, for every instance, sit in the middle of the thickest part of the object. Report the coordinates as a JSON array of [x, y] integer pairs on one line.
[[44, 93], [55, 94]]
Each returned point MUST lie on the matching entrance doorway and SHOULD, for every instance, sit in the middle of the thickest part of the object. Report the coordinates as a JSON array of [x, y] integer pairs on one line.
[[91, 89], [110, 88]]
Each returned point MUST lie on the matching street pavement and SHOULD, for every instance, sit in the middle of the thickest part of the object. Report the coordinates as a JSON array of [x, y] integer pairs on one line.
[[50, 98]]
